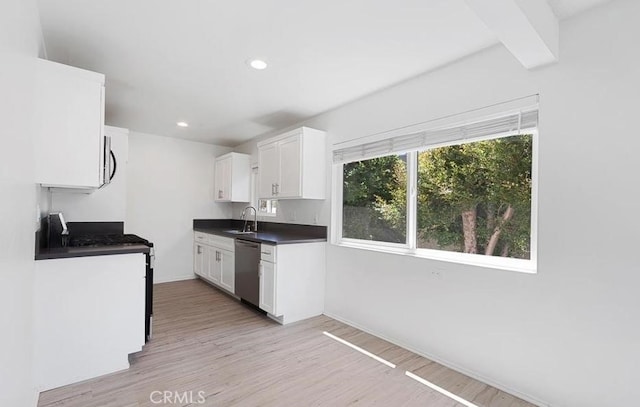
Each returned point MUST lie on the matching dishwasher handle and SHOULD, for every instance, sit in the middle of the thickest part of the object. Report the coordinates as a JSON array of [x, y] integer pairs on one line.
[[247, 243]]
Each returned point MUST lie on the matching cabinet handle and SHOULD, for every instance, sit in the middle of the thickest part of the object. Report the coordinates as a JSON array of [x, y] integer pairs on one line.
[[260, 269], [199, 250], [273, 189], [219, 194], [107, 160], [277, 189]]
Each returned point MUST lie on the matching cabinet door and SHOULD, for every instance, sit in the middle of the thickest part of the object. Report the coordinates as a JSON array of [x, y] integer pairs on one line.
[[227, 272], [215, 264], [289, 185], [268, 287], [198, 259], [207, 261], [223, 179], [69, 124], [268, 170]]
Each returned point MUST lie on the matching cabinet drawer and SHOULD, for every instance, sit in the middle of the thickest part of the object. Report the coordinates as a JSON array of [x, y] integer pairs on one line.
[[221, 242], [225, 243], [268, 253], [200, 237]]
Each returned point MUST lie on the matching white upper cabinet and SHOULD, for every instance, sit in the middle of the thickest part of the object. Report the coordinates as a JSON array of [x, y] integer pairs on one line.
[[290, 184], [293, 165], [69, 120], [268, 169], [232, 178]]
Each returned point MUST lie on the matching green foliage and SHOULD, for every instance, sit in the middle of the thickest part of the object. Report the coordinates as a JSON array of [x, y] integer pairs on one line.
[[487, 177], [371, 207]]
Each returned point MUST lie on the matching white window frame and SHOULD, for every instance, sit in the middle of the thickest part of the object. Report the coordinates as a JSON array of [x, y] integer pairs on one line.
[[410, 247]]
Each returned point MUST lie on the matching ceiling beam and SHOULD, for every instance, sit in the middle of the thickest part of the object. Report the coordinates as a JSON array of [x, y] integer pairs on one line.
[[527, 28]]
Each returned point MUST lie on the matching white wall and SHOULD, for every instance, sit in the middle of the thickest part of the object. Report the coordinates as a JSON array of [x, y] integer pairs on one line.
[[170, 182], [107, 204], [19, 45], [569, 335]]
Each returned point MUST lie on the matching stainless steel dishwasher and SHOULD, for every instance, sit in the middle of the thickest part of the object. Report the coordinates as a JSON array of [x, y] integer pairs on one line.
[[247, 284]]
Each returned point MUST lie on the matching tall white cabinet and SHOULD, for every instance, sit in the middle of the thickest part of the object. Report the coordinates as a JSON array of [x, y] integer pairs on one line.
[[293, 165], [69, 120]]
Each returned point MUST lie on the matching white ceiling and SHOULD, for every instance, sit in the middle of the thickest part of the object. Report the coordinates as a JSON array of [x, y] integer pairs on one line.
[[568, 8], [172, 60]]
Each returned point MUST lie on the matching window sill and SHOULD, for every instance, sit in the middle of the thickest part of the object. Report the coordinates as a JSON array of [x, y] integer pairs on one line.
[[492, 262]]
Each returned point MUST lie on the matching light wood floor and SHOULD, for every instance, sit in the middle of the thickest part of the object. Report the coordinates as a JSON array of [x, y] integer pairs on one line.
[[206, 341]]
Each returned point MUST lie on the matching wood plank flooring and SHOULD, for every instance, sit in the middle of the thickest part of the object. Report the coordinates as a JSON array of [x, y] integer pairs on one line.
[[205, 341]]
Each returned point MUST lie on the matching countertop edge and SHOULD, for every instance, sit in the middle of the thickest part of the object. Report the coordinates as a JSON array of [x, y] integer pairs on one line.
[[293, 240], [91, 252]]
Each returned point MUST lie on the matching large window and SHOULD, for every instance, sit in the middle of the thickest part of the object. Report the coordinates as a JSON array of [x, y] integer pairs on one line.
[[476, 198], [470, 201], [374, 199]]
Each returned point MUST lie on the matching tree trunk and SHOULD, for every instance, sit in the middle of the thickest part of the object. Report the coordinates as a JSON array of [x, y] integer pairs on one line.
[[469, 229], [495, 236], [491, 216], [505, 250]]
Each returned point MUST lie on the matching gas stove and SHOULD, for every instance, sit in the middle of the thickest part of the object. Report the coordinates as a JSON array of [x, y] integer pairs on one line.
[[97, 240]]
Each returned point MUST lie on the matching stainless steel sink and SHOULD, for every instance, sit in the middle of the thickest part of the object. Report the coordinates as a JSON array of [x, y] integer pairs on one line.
[[239, 232]]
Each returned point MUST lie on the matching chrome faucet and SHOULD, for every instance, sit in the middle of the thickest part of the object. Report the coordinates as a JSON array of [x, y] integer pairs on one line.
[[255, 219]]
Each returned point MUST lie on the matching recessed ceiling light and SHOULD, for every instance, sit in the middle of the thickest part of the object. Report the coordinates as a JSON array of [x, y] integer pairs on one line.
[[257, 64], [182, 124]]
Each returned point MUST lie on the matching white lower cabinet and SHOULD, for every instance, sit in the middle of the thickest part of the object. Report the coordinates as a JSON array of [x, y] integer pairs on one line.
[[215, 267], [88, 317], [292, 281], [227, 270], [198, 259], [268, 287], [291, 275], [214, 261]]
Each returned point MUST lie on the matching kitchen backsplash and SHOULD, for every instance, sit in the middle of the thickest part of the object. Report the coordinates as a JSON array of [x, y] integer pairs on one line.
[[306, 212]]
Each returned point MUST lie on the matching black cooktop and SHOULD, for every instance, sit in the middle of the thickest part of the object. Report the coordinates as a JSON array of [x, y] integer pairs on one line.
[[97, 240]]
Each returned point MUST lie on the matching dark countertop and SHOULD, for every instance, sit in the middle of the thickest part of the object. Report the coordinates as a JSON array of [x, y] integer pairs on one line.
[[273, 238], [268, 232], [44, 251], [69, 252]]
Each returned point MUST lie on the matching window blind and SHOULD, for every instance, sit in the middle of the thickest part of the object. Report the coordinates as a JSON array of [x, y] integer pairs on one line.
[[515, 122]]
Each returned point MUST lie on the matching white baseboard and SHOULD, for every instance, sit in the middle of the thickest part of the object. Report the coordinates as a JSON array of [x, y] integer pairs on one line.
[[453, 366], [170, 279]]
